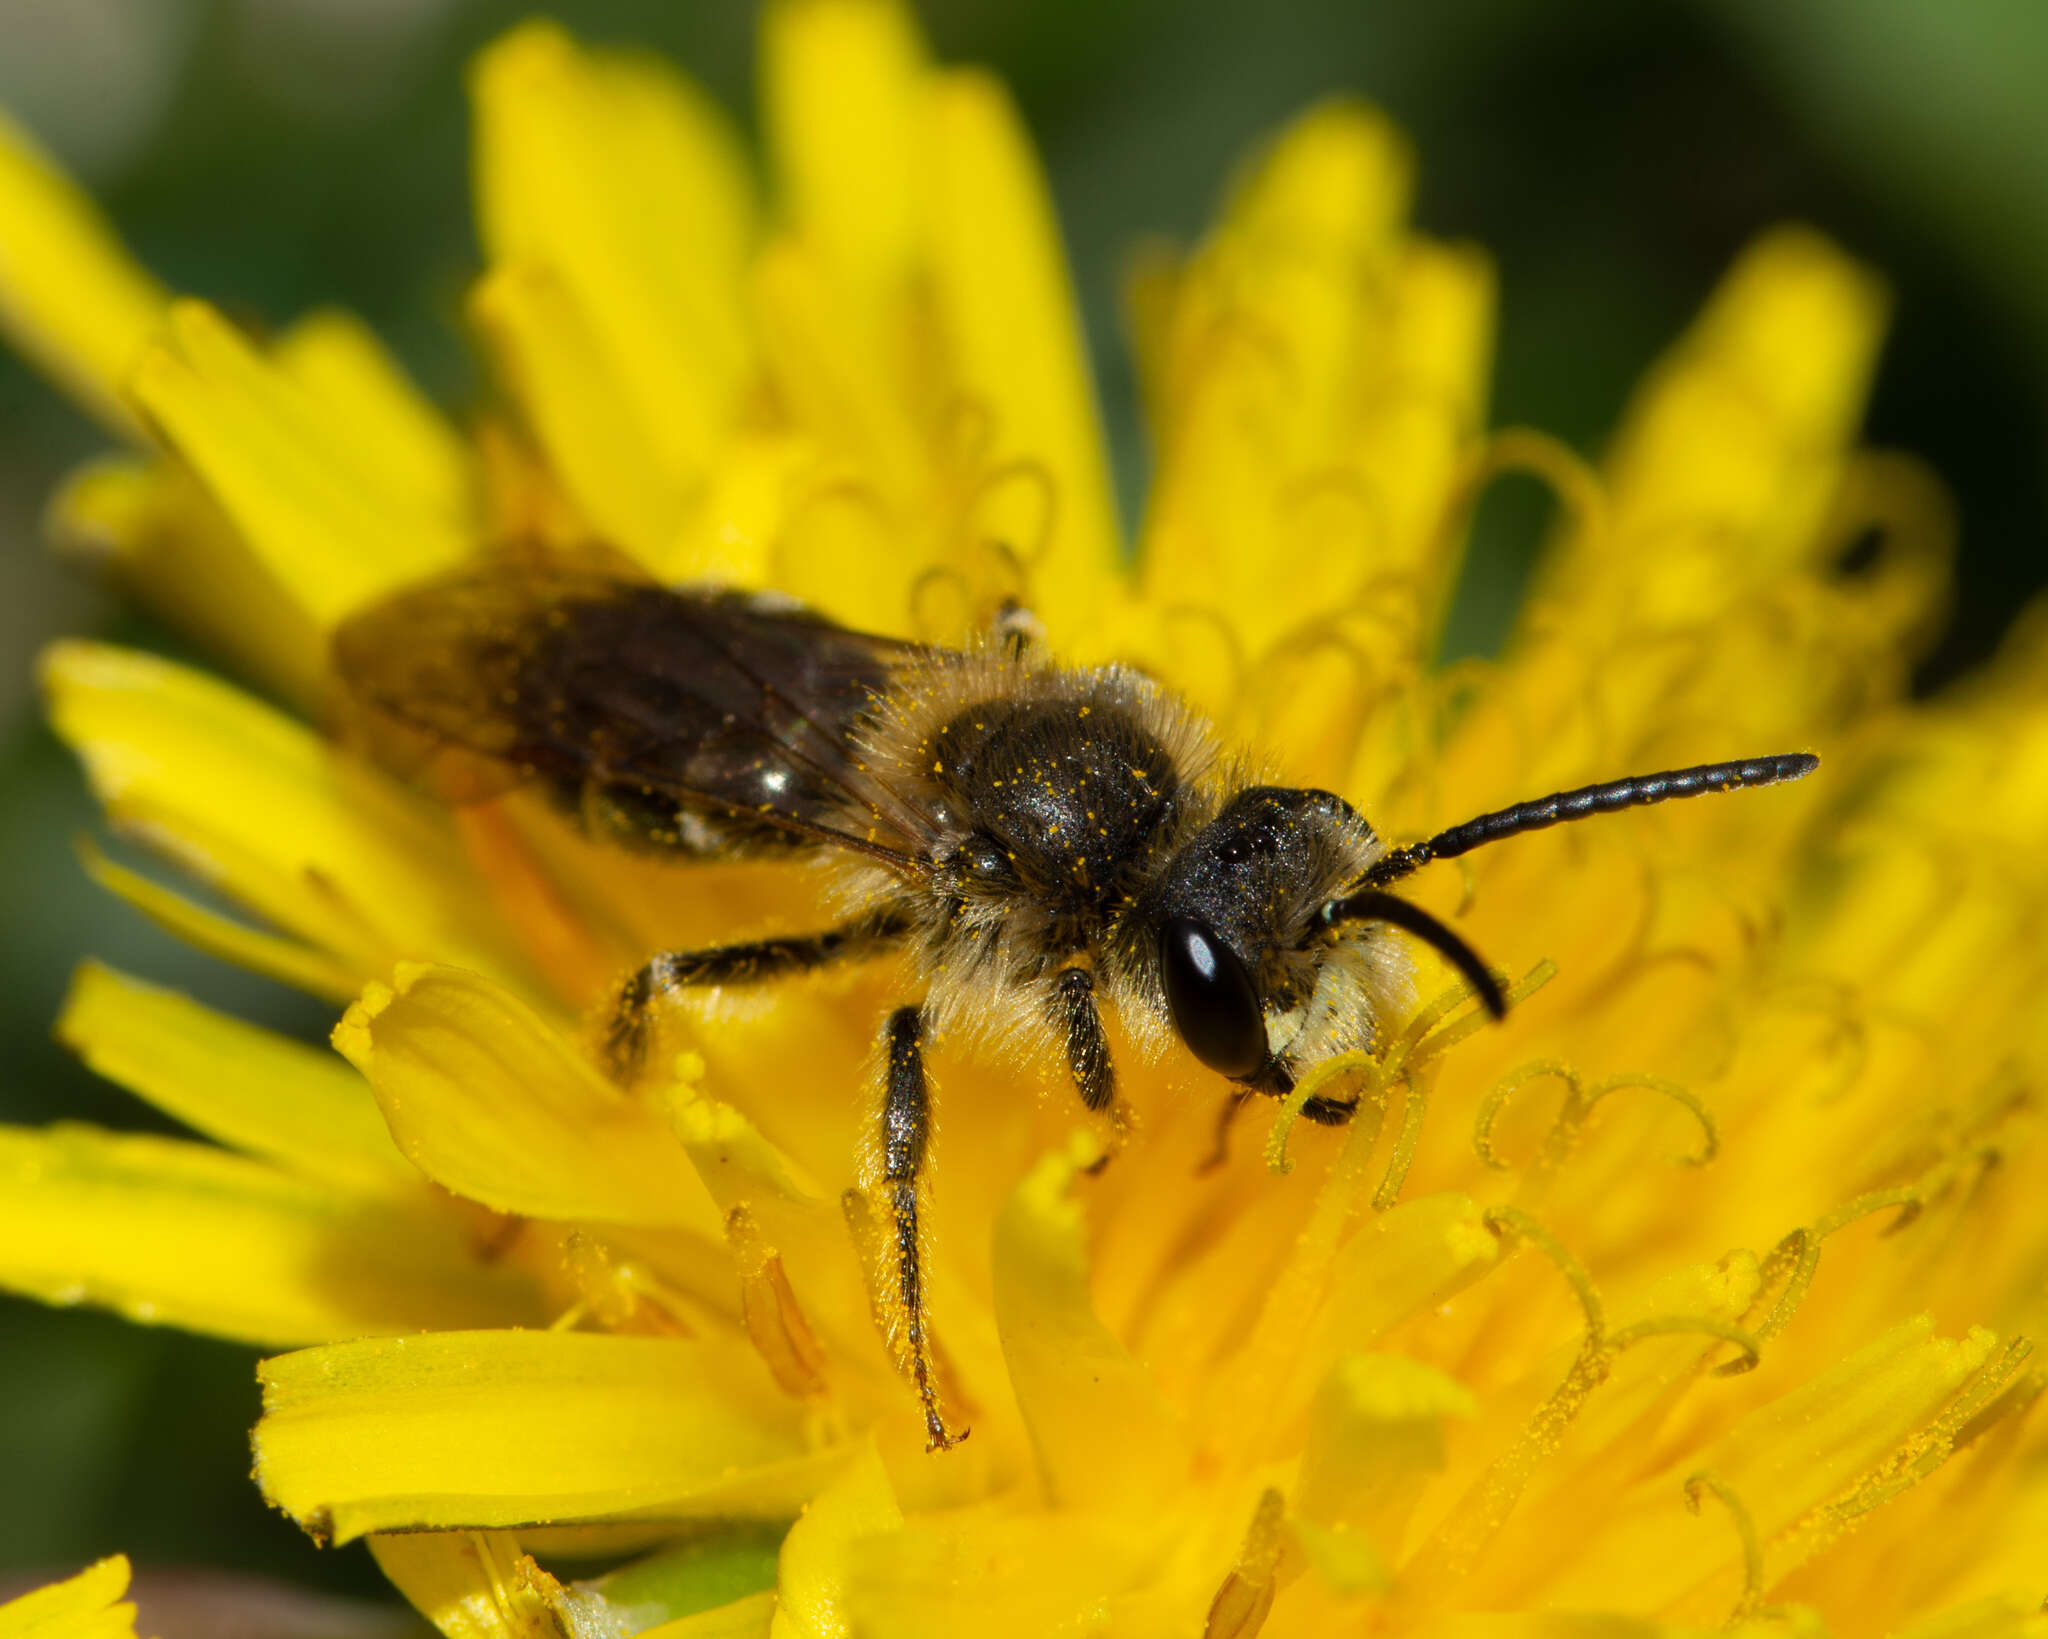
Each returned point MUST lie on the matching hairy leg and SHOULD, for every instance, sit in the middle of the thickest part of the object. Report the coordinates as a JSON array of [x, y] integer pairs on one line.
[[1079, 1023], [906, 1134], [756, 962]]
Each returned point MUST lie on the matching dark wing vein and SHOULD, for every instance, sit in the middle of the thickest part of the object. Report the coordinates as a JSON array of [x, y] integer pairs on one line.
[[703, 721]]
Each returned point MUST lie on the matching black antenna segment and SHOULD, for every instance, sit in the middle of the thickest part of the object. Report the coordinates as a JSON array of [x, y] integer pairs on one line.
[[1587, 801], [1370, 905]]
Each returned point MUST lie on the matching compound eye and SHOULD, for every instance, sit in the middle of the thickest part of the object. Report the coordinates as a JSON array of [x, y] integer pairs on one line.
[[1210, 999]]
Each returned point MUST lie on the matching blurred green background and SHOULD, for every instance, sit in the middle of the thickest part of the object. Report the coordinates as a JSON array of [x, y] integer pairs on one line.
[[275, 154]]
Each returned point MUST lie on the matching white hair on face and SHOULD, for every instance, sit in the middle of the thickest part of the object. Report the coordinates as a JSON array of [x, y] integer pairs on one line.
[[1362, 984]]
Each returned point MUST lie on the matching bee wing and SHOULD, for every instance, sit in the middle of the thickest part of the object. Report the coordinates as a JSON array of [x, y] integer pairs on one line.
[[703, 720]]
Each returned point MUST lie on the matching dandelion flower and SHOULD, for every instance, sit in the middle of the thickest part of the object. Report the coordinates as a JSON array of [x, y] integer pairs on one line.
[[86, 1606], [1699, 1293]]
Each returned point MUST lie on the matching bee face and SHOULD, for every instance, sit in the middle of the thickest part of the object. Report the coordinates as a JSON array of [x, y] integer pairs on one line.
[[1240, 944]]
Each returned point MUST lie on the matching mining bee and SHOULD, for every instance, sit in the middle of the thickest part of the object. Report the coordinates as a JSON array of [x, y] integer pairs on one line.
[[1040, 840]]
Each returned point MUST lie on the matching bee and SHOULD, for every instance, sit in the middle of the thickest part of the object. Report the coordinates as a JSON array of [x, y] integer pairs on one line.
[[1043, 842]]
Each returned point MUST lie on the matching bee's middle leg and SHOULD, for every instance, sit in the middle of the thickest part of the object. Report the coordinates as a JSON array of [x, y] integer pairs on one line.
[[756, 962], [906, 1135]]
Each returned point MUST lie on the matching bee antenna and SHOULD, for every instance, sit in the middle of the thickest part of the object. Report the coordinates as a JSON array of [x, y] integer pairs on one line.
[[1587, 801], [1371, 905]]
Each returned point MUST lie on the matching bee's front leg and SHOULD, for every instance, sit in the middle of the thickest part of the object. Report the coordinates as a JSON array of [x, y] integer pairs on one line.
[[1079, 1022], [1276, 1080], [905, 1138]]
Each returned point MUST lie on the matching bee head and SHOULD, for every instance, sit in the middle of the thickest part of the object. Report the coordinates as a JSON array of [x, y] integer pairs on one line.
[[1236, 917], [1249, 910]]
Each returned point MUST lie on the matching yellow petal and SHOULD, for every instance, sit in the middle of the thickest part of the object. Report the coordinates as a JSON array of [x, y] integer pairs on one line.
[[824, 1549], [258, 806], [1336, 183], [1313, 230], [186, 1235], [151, 525], [749, 1618], [740, 1167], [1375, 1437], [1103, 1436], [1798, 322], [375, 412], [629, 186], [1002, 1576], [285, 960], [1732, 450], [1403, 1262], [1272, 351], [1424, 411], [1658, 1365], [70, 296], [1211, 534], [511, 1428], [316, 503], [745, 1173], [841, 88], [546, 350], [1010, 321], [243, 1086], [1782, 1460], [733, 531], [80, 1607], [1399, 1264], [489, 1100], [834, 383], [2004, 1616], [1789, 1622], [1308, 705], [467, 1583]]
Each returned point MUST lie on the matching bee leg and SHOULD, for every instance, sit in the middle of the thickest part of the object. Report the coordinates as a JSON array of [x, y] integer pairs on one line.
[[1277, 1080], [1325, 1112], [1016, 629], [1079, 1022], [1224, 1117], [632, 1015], [906, 1133]]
